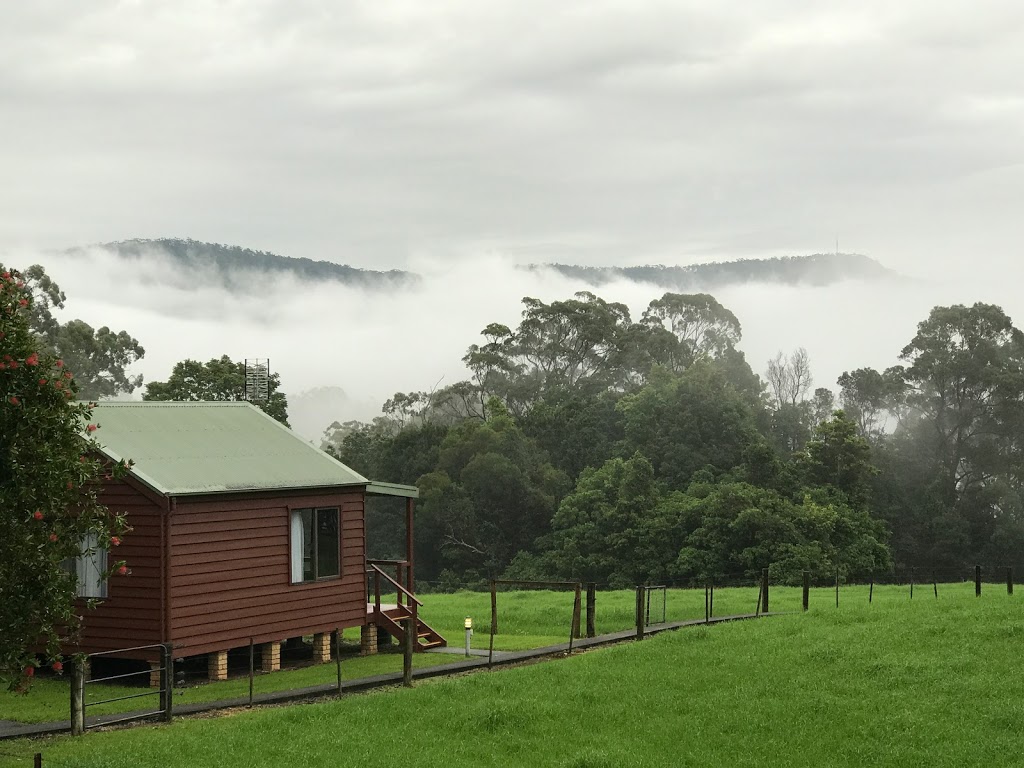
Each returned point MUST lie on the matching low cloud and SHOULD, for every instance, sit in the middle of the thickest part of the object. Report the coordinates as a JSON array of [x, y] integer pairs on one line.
[[371, 344]]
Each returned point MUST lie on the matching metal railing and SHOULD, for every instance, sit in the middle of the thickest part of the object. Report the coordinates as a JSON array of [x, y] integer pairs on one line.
[[80, 705]]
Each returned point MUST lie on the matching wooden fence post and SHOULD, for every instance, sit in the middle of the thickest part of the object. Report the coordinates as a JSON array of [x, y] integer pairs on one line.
[[837, 587], [337, 655], [871, 589], [935, 584], [409, 626], [711, 600], [574, 628], [38, 760], [591, 609], [167, 681], [78, 697], [977, 581], [807, 589], [252, 669], [764, 590], [1009, 580], [494, 608], [911, 583], [640, 612]]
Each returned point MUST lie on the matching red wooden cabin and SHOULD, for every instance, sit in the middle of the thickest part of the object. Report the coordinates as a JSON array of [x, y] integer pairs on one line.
[[240, 530]]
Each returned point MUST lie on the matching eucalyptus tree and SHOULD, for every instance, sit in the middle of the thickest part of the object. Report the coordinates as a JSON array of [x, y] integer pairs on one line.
[[99, 357], [217, 379]]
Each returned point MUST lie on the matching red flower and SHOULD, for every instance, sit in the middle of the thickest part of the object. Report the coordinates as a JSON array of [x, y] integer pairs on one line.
[[58, 666], [29, 671], [15, 401], [68, 374], [59, 363], [22, 302], [123, 570], [91, 428], [115, 540], [58, 383], [3, 366], [13, 364], [37, 515], [53, 537], [32, 359], [42, 382]]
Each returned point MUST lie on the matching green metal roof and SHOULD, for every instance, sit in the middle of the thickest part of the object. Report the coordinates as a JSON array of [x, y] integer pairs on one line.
[[196, 448]]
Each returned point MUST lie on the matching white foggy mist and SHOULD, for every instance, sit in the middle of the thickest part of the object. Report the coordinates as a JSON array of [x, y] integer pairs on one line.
[[371, 344]]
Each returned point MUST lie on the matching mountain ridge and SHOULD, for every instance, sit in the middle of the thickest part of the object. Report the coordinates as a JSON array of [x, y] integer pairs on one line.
[[233, 265], [817, 270]]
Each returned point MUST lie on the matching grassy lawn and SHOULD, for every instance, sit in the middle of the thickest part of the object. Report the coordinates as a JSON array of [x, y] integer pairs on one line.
[[526, 619], [49, 699], [898, 683]]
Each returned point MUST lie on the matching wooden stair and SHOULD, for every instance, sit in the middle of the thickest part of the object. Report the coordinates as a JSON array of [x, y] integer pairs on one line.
[[391, 621]]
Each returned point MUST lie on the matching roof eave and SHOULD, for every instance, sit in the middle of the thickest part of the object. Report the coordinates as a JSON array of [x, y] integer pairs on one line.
[[376, 488]]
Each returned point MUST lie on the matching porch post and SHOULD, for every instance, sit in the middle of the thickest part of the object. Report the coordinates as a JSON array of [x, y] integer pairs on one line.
[[409, 505]]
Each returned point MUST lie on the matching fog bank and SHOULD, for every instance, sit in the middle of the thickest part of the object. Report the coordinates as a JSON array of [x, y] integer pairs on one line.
[[372, 344]]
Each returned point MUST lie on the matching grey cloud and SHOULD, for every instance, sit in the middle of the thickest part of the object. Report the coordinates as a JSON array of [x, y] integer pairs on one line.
[[605, 132]]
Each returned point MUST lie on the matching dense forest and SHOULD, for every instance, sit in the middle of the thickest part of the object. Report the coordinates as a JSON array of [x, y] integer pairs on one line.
[[589, 445]]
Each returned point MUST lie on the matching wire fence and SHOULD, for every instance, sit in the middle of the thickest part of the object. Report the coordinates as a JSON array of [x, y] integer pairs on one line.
[[571, 612]]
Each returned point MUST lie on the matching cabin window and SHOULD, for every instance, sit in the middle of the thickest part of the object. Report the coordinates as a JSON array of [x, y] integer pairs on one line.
[[89, 568], [316, 544]]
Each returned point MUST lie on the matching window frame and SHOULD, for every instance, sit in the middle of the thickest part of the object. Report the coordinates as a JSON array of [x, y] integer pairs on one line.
[[293, 513]]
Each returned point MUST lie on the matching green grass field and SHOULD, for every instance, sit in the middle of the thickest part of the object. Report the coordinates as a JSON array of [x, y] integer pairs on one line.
[[526, 620], [900, 683]]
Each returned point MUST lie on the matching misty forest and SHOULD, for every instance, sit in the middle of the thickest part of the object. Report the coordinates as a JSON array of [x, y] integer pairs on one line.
[[588, 444]]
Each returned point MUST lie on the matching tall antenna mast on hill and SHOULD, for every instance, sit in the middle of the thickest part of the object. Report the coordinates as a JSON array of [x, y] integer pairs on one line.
[[257, 380]]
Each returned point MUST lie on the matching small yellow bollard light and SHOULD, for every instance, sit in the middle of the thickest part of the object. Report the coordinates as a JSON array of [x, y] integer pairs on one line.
[[469, 633], [469, 623]]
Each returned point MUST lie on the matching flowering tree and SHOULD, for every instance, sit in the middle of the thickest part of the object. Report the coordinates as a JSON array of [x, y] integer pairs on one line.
[[50, 474]]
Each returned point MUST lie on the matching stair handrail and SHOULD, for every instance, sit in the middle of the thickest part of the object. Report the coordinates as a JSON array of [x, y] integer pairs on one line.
[[377, 573]]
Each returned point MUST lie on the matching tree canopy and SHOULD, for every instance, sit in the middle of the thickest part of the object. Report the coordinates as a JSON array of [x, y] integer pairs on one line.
[[99, 357], [50, 473], [217, 379], [649, 450]]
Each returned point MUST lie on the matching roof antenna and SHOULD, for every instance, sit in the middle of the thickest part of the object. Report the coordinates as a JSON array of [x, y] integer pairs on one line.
[[257, 380]]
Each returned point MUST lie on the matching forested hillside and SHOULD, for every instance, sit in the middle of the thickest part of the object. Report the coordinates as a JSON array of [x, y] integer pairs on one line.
[[234, 266], [589, 445], [816, 270], [231, 263]]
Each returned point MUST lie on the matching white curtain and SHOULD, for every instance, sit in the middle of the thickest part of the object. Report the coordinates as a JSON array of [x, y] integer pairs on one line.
[[296, 546], [90, 567]]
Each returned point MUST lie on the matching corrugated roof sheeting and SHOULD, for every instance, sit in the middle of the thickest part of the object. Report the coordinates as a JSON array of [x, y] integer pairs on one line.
[[195, 448]]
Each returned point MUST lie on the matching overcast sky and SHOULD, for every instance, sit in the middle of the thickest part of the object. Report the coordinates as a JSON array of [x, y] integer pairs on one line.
[[602, 132], [441, 135]]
